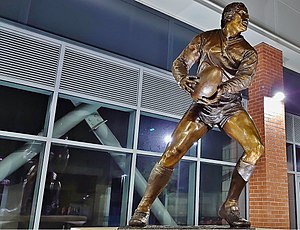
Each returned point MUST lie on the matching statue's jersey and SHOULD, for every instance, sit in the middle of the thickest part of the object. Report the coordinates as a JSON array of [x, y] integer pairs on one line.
[[235, 57]]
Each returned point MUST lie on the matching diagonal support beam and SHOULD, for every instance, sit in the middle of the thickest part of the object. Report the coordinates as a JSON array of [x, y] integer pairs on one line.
[[106, 137], [88, 112], [32, 148]]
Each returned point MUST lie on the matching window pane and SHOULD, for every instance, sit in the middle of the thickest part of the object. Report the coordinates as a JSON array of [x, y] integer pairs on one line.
[[292, 201], [22, 111], [18, 167], [217, 145], [290, 157], [155, 133], [94, 123], [86, 187], [178, 197], [214, 186], [298, 157]]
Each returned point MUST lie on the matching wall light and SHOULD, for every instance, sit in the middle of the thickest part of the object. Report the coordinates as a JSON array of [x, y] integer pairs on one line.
[[279, 96]]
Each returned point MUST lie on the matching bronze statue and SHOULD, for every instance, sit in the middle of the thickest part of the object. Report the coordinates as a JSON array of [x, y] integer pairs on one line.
[[227, 64]]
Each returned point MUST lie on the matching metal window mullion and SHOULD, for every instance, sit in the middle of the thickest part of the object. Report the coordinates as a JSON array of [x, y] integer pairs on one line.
[[247, 206], [21, 136], [217, 162], [19, 81], [294, 145], [42, 173], [135, 144], [197, 184], [126, 186], [297, 199], [296, 176]]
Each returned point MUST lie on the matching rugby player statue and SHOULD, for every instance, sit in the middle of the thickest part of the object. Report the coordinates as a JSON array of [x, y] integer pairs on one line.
[[227, 64]]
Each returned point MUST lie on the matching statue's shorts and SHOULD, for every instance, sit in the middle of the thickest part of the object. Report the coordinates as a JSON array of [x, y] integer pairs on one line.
[[218, 113]]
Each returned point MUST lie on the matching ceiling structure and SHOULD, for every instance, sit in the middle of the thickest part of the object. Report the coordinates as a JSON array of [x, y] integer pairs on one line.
[[275, 22]]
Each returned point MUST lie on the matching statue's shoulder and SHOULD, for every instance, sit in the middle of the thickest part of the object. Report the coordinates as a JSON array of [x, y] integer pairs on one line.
[[209, 33], [206, 35], [248, 47]]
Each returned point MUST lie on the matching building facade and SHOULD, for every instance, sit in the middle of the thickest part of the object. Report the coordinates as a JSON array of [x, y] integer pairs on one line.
[[88, 108]]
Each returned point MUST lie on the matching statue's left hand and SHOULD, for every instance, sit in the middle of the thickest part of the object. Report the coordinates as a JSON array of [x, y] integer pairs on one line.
[[188, 83]]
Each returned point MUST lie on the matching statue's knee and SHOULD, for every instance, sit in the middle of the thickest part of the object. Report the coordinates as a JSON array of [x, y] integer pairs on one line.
[[171, 157], [261, 149], [253, 155]]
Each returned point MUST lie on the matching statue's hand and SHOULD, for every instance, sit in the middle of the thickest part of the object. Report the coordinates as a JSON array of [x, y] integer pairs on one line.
[[188, 83], [213, 99]]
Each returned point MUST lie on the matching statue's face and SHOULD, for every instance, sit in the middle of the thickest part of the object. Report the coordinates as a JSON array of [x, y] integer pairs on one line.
[[239, 22]]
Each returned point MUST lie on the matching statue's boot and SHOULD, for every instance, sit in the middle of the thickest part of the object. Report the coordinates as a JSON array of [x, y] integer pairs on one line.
[[230, 209], [158, 179]]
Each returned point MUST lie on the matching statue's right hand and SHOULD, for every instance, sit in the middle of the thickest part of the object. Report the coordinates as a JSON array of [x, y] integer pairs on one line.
[[188, 83]]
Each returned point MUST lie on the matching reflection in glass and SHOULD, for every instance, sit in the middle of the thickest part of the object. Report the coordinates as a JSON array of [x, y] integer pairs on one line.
[[298, 157], [86, 187], [217, 145], [22, 111], [17, 187], [214, 186], [178, 197], [290, 156], [155, 133], [114, 127], [292, 201]]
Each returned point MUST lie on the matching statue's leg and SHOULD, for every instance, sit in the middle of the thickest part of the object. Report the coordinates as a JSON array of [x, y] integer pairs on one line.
[[242, 129], [188, 130]]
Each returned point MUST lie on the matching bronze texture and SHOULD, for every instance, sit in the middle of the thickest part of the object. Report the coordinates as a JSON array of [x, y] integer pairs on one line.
[[227, 64], [158, 179]]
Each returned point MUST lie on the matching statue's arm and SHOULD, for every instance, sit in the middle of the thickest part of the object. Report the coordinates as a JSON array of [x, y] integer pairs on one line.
[[244, 75], [186, 59]]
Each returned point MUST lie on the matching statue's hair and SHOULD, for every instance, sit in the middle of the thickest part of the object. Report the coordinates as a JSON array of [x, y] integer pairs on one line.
[[229, 11]]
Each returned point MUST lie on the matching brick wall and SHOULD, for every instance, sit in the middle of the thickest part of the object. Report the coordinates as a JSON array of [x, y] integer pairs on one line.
[[268, 187]]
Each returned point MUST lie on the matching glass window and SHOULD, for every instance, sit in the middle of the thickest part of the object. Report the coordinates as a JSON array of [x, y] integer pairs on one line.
[[155, 133], [292, 201], [298, 157], [94, 123], [22, 111], [214, 186], [85, 187], [290, 157], [18, 168], [177, 199], [217, 145]]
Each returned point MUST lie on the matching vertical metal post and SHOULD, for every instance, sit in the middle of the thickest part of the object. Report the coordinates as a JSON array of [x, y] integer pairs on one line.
[[42, 171], [197, 193]]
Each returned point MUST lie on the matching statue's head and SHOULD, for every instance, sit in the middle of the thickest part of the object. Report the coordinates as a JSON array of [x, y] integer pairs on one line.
[[234, 8]]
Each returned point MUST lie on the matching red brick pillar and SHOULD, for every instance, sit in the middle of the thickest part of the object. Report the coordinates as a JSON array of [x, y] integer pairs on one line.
[[268, 187]]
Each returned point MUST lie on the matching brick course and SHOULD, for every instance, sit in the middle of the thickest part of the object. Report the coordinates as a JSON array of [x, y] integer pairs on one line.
[[268, 187]]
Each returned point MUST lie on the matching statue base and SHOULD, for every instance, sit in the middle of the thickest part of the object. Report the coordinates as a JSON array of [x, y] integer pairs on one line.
[[162, 227]]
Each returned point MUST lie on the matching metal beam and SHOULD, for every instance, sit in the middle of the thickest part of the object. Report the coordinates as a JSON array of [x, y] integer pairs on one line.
[[106, 137], [32, 148], [88, 112]]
